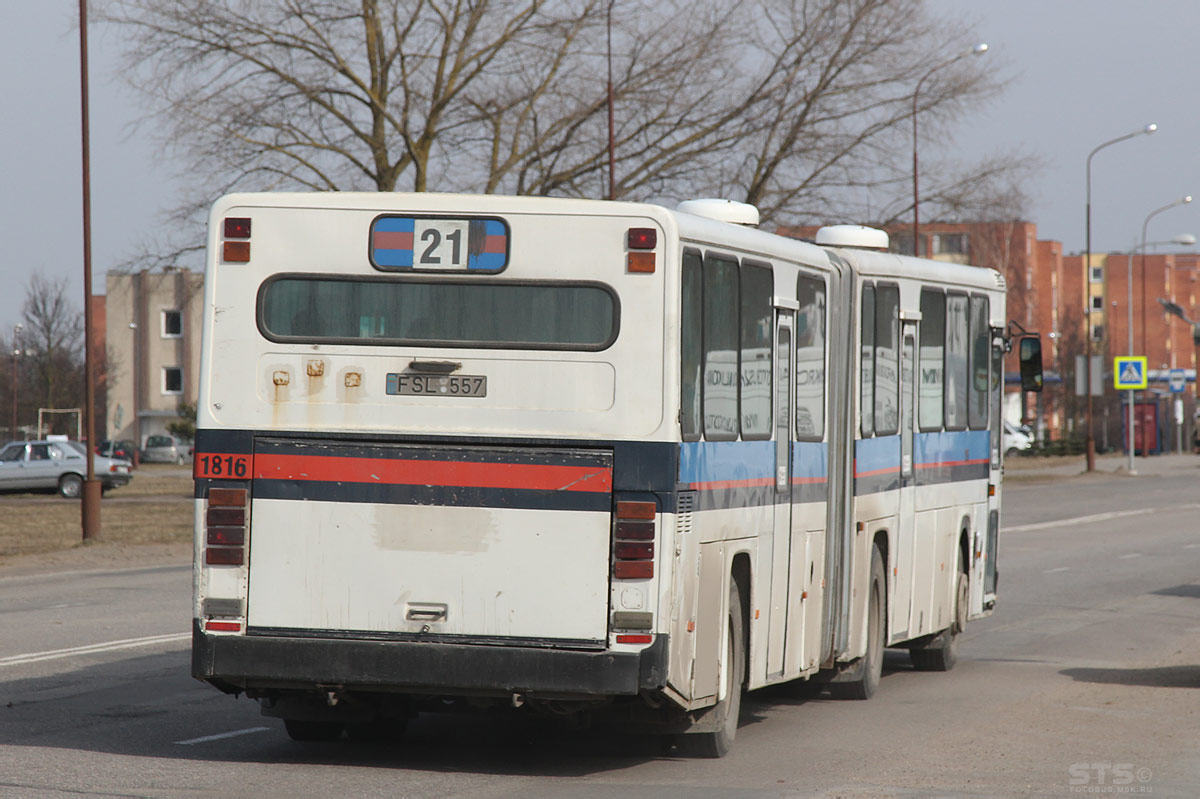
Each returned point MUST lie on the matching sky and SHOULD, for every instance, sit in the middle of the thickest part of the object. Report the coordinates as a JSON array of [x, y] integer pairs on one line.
[[1081, 72]]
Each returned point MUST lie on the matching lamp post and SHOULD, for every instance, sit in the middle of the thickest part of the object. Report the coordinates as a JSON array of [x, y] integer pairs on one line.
[[90, 504], [1184, 239], [978, 49], [1087, 307], [1181, 201], [16, 353]]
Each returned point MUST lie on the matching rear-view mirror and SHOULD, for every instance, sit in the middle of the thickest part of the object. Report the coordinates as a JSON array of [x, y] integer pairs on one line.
[[1029, 353]]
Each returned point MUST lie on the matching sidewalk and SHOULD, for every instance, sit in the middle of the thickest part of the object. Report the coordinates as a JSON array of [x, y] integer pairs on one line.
[[1031, 467]]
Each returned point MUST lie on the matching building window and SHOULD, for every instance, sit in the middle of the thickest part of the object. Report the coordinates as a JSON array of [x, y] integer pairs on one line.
[[1097, 302], [1096, 274], [949, 244], [172, 324], [172, 380], [1097, 332]]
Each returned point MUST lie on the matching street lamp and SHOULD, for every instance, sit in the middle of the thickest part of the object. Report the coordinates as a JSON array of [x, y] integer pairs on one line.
[[1184, 239], [1181, 201], [1087, 308], [978, 49]]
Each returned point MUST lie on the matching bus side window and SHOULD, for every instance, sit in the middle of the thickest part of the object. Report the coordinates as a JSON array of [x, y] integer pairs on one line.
[[810, 359], [757, 323], [867, 367], [691, 348], [932, 360], [981, 336], [721, 303], [956, 362], [887, 360]]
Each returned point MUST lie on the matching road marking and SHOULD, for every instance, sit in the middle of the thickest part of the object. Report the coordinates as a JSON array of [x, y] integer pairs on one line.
[[91, 649], [1059, 569], [1131, 556], [1096, 517], [221, 736]]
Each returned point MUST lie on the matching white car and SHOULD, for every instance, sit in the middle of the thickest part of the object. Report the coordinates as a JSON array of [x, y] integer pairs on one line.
[[1016, 439], [56, 465]]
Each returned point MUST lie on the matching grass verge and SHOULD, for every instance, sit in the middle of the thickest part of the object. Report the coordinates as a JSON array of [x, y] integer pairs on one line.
[[155, 508]]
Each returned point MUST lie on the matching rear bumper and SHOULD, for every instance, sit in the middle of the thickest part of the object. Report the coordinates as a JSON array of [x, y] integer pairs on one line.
[[235, 663]]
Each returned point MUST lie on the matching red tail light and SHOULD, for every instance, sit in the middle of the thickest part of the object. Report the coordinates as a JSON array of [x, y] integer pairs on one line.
[[633, 540], [225, 527]]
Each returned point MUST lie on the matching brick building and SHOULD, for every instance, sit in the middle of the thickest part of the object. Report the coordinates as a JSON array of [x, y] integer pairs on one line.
[[1047, 293]]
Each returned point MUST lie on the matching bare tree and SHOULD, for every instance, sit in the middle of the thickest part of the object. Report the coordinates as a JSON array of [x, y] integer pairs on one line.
[[798, 106], [52, 339]]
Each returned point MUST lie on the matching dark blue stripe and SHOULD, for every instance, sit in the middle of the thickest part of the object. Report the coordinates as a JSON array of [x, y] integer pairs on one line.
[[441, 496]]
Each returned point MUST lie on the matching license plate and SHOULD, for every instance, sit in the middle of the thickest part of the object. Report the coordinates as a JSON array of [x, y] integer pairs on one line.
[[419, 385]]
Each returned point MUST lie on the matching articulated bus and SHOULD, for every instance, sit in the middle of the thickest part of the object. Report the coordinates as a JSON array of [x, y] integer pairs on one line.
[[599, 460]]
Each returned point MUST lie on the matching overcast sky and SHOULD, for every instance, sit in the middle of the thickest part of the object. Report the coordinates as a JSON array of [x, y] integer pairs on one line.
[[1083, 72]]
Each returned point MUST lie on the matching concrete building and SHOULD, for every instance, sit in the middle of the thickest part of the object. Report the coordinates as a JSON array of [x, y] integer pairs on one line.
[[153, 322]]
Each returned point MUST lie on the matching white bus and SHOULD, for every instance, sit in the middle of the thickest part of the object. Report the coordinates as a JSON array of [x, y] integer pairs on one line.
[[594, 459]]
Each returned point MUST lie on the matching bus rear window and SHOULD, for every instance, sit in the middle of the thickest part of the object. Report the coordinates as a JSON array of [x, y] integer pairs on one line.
[[542, 315]]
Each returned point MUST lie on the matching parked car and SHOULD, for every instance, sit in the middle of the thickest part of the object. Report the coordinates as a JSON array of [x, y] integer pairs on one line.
[[121, 450], [56, 466], [164, 449], [1016, 439]]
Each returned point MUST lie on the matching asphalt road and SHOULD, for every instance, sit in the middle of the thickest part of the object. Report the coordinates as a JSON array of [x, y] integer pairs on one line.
[[1084, 682]]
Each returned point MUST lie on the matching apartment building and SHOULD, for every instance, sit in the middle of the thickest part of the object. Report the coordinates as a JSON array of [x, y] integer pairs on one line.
[[152, 333]]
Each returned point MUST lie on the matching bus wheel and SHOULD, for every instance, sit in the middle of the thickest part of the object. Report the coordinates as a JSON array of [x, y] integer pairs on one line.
[[942, 652], [301, 730], [725, 715], [870, 667]]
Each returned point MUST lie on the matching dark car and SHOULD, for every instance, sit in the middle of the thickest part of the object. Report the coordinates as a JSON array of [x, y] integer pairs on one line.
[[117, 449], [56, 465]]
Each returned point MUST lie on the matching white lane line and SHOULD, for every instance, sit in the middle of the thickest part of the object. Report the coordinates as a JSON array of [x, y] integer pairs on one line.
[[1131, 556], [91, 649], [221, 736], [1096, 517], [1056, 571]]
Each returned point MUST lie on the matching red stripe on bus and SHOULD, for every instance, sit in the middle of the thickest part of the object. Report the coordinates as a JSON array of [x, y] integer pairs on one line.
[[973, 462], [876, 472], [393, 240], [391, 471], [713, 485], [807, 480]]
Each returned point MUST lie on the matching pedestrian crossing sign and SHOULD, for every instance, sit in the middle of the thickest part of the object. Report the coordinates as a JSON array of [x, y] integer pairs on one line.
[[1129, 372]]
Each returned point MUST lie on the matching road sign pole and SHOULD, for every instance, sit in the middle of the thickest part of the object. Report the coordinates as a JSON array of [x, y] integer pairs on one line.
[[1129, 449]]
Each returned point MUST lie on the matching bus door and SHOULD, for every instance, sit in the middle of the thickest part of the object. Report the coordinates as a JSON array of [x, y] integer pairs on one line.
[[781, 552], [906, 524], [988, 549]]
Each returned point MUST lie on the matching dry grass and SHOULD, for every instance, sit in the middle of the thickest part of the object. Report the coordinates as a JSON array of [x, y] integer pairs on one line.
[[155, 508]]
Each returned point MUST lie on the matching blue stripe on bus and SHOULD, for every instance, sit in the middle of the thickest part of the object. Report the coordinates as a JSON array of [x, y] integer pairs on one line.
[[732, 474], [876, 464], [810, 471], [939, 457], [951, 456]]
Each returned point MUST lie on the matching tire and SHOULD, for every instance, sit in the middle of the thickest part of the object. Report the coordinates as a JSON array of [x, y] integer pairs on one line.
[[942, 653], [299, 730], [70, 486], [870, 665], [727, 711]]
